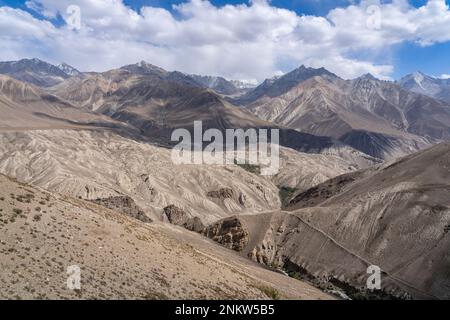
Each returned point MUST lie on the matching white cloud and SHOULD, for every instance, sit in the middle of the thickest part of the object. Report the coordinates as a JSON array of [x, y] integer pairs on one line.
[[445, 76], [237, 41]]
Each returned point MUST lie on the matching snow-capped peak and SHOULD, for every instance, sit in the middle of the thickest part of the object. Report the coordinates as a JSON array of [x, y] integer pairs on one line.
[[69, 70], [418, 77]]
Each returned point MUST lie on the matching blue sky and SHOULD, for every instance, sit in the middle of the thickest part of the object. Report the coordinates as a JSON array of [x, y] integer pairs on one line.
[[301, 6], [314, 7], [394, 59]]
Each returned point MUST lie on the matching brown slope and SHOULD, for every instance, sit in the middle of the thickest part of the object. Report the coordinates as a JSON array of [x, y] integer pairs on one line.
[[395, 216], [42, 234], [150, 106], [427, 85], [155, 97], [394, 121], [155, 102], [36, 72], [26, 106], [99, 164], [93, 89], [278, 86]]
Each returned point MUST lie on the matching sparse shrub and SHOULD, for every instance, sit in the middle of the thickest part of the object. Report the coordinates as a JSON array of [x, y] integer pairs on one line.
[[26, 198], [17, 211], [285, 194], [249, 167], [296, 275], [37, 217], [270, 292], [155, 296]]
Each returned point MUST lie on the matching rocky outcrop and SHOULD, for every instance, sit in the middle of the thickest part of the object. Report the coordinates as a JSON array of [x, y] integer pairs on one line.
[[233, 199], [230, 233], [222, 194], [125, 205], [194, 224], [315, 195], [179, 217], [175, 215], [266, 251]]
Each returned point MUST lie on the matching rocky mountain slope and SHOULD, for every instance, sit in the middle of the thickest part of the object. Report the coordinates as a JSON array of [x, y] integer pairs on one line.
[[152, 102], [98, 164], [376, 117], [153, 99], [395, 216], [98, 144], [69, 70], [280, 85], [37, 72], [43, 234], [26, 106], [223, 86], [218, 84], [427, 85], [155, 102]]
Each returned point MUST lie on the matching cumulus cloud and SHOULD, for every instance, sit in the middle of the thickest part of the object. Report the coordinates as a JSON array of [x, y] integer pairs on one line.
[[246, 41]]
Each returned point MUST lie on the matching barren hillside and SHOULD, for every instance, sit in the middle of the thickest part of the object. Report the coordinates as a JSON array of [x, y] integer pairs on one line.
[[95, 164], [395, 216], [24, 106], [42, 234]]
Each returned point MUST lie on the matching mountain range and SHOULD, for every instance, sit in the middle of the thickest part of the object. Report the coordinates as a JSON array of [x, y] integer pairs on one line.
[[377, 117], [363, 180], [421, 83], [155, 102], [37, 72], [382, 119]]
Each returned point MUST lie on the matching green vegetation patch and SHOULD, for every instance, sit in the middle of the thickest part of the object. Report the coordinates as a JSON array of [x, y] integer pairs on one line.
[[270, 292], [286, 194], [249, 167]]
